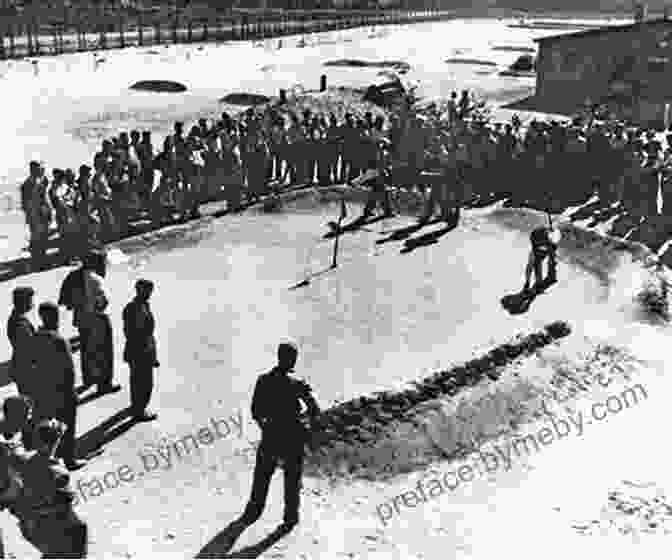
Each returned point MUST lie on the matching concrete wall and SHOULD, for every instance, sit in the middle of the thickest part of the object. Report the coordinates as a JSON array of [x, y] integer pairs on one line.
[[571, 70]]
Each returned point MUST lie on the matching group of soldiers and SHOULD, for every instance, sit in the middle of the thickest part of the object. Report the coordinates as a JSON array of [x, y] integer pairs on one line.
[[242, 157], [454, 159], [37, 445]]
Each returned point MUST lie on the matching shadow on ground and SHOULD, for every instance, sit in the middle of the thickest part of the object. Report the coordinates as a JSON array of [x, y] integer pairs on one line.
[[221, 545], [92, 442]]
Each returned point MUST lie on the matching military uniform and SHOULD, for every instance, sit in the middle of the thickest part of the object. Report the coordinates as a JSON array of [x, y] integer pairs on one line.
[[276, 407], [55, 395], [140, 352], [35, 204], [21, 333]]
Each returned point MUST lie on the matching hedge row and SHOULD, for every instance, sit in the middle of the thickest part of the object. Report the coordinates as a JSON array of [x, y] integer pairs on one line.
[[347, 420]]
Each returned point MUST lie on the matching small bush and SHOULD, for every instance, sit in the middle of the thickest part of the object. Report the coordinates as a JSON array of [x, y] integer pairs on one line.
[[654, 296]]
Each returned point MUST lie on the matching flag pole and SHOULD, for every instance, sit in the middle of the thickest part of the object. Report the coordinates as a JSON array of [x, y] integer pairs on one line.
[[342, 215]]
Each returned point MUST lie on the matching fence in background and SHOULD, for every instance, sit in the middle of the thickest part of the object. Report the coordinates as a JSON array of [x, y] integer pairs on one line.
[[75, 31]]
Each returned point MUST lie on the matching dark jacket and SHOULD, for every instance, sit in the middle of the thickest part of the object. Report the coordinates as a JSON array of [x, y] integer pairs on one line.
[[20, 332], [276, 406], [55, 371], [139, 331]]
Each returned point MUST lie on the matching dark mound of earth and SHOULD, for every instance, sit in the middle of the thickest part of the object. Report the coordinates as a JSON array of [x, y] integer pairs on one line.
[[354, 63], [355, 419], [160, 86], [245, 99]]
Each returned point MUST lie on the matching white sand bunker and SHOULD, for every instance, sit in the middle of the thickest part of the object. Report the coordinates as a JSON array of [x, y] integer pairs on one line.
[[398, 65], [159, 86], [245, 99]]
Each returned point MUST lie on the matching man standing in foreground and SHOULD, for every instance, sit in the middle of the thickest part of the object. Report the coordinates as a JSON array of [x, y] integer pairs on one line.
[[55, 396], [21, 334], [276, 407], [140, 349]]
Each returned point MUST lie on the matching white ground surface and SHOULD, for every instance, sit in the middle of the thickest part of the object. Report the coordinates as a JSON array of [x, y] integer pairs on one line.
[[382, 319]]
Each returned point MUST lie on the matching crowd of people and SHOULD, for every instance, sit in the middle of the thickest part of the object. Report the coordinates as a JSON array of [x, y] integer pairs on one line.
[[37, 440], [238, 158], [449, 153]]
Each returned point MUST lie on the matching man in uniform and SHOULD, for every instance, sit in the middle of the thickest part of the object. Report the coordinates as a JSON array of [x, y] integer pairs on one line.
[[140, 349], [276, 407], [21, 333], [56, 396], [37, 208], [545, 242]]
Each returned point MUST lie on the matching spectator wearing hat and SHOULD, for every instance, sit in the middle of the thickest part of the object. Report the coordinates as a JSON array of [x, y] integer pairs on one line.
[[55, 397], [276, 407], [140, 349], [21, 334]]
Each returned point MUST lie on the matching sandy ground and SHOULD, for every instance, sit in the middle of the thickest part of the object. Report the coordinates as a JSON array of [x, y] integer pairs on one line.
[[384, 318], [381, 320]]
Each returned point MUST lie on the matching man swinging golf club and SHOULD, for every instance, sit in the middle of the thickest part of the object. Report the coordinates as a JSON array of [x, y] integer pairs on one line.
[[544, 240]]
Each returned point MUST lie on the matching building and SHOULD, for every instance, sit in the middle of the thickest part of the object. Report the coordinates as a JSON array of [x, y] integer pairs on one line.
[[627, 67]]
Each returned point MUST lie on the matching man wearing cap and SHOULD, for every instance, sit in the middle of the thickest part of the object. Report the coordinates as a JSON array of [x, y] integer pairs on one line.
[[37, 208], [276, 407], [21, 334], [140, 349], [55, 397]]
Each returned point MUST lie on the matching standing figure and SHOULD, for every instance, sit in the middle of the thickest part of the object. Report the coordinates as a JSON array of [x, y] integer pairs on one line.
[[103, 198], [544, 242], [140, 349], [21, 334], [146, 154], [55, 396], [64, 201], [164, 197], [276, 407], [334, 148], [38, 211], [87, 218]]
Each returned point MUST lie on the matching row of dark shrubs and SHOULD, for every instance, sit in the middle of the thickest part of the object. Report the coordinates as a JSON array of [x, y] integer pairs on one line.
[[345, 421]]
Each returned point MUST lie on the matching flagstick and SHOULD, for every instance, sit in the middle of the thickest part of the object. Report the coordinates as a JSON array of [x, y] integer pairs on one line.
[[341, 217], [334, 264]]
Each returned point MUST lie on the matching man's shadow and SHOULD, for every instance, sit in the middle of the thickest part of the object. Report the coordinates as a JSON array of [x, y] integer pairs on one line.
[[92, 442], [353, 226], [405, 232], [426, 239], [519, 303], [222, 543]]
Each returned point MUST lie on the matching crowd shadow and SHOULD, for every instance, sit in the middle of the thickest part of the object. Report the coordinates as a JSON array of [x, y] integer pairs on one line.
[[220, 546]]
